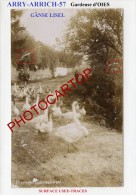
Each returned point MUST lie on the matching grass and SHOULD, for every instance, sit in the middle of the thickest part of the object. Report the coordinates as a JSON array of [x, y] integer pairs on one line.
[[98, 162]]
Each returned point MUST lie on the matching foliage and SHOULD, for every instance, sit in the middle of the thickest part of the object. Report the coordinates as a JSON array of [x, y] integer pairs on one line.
[[41, 56], [97, 34]]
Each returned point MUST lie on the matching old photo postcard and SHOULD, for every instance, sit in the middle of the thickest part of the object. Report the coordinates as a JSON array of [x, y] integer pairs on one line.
[[76, 139]]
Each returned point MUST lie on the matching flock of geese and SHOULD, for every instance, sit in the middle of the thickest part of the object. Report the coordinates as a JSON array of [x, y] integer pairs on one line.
[[71, 132]]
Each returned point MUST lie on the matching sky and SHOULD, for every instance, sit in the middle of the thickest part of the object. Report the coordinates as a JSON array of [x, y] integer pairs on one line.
[[45, 29]]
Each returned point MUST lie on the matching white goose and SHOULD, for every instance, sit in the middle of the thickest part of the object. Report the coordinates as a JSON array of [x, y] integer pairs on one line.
[[70, 115], [33, 89], [26, 106], [41, 119], [72, 132], [46, 127], [40, 90], [57, 110], [21, 94], [82, 111], [37, 101], [15, 88], [15, 110]]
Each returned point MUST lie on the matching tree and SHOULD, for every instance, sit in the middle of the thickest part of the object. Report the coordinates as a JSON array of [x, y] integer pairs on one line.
[[97, 34], [17, 39]]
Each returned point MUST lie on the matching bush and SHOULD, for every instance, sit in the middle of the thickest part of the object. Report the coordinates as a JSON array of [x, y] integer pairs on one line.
[[102, 96]]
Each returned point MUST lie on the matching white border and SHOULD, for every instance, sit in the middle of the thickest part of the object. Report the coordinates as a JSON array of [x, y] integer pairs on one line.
[[129, 104]]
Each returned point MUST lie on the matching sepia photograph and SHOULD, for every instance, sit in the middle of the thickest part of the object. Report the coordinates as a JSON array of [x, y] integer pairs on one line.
[[66, 98]]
